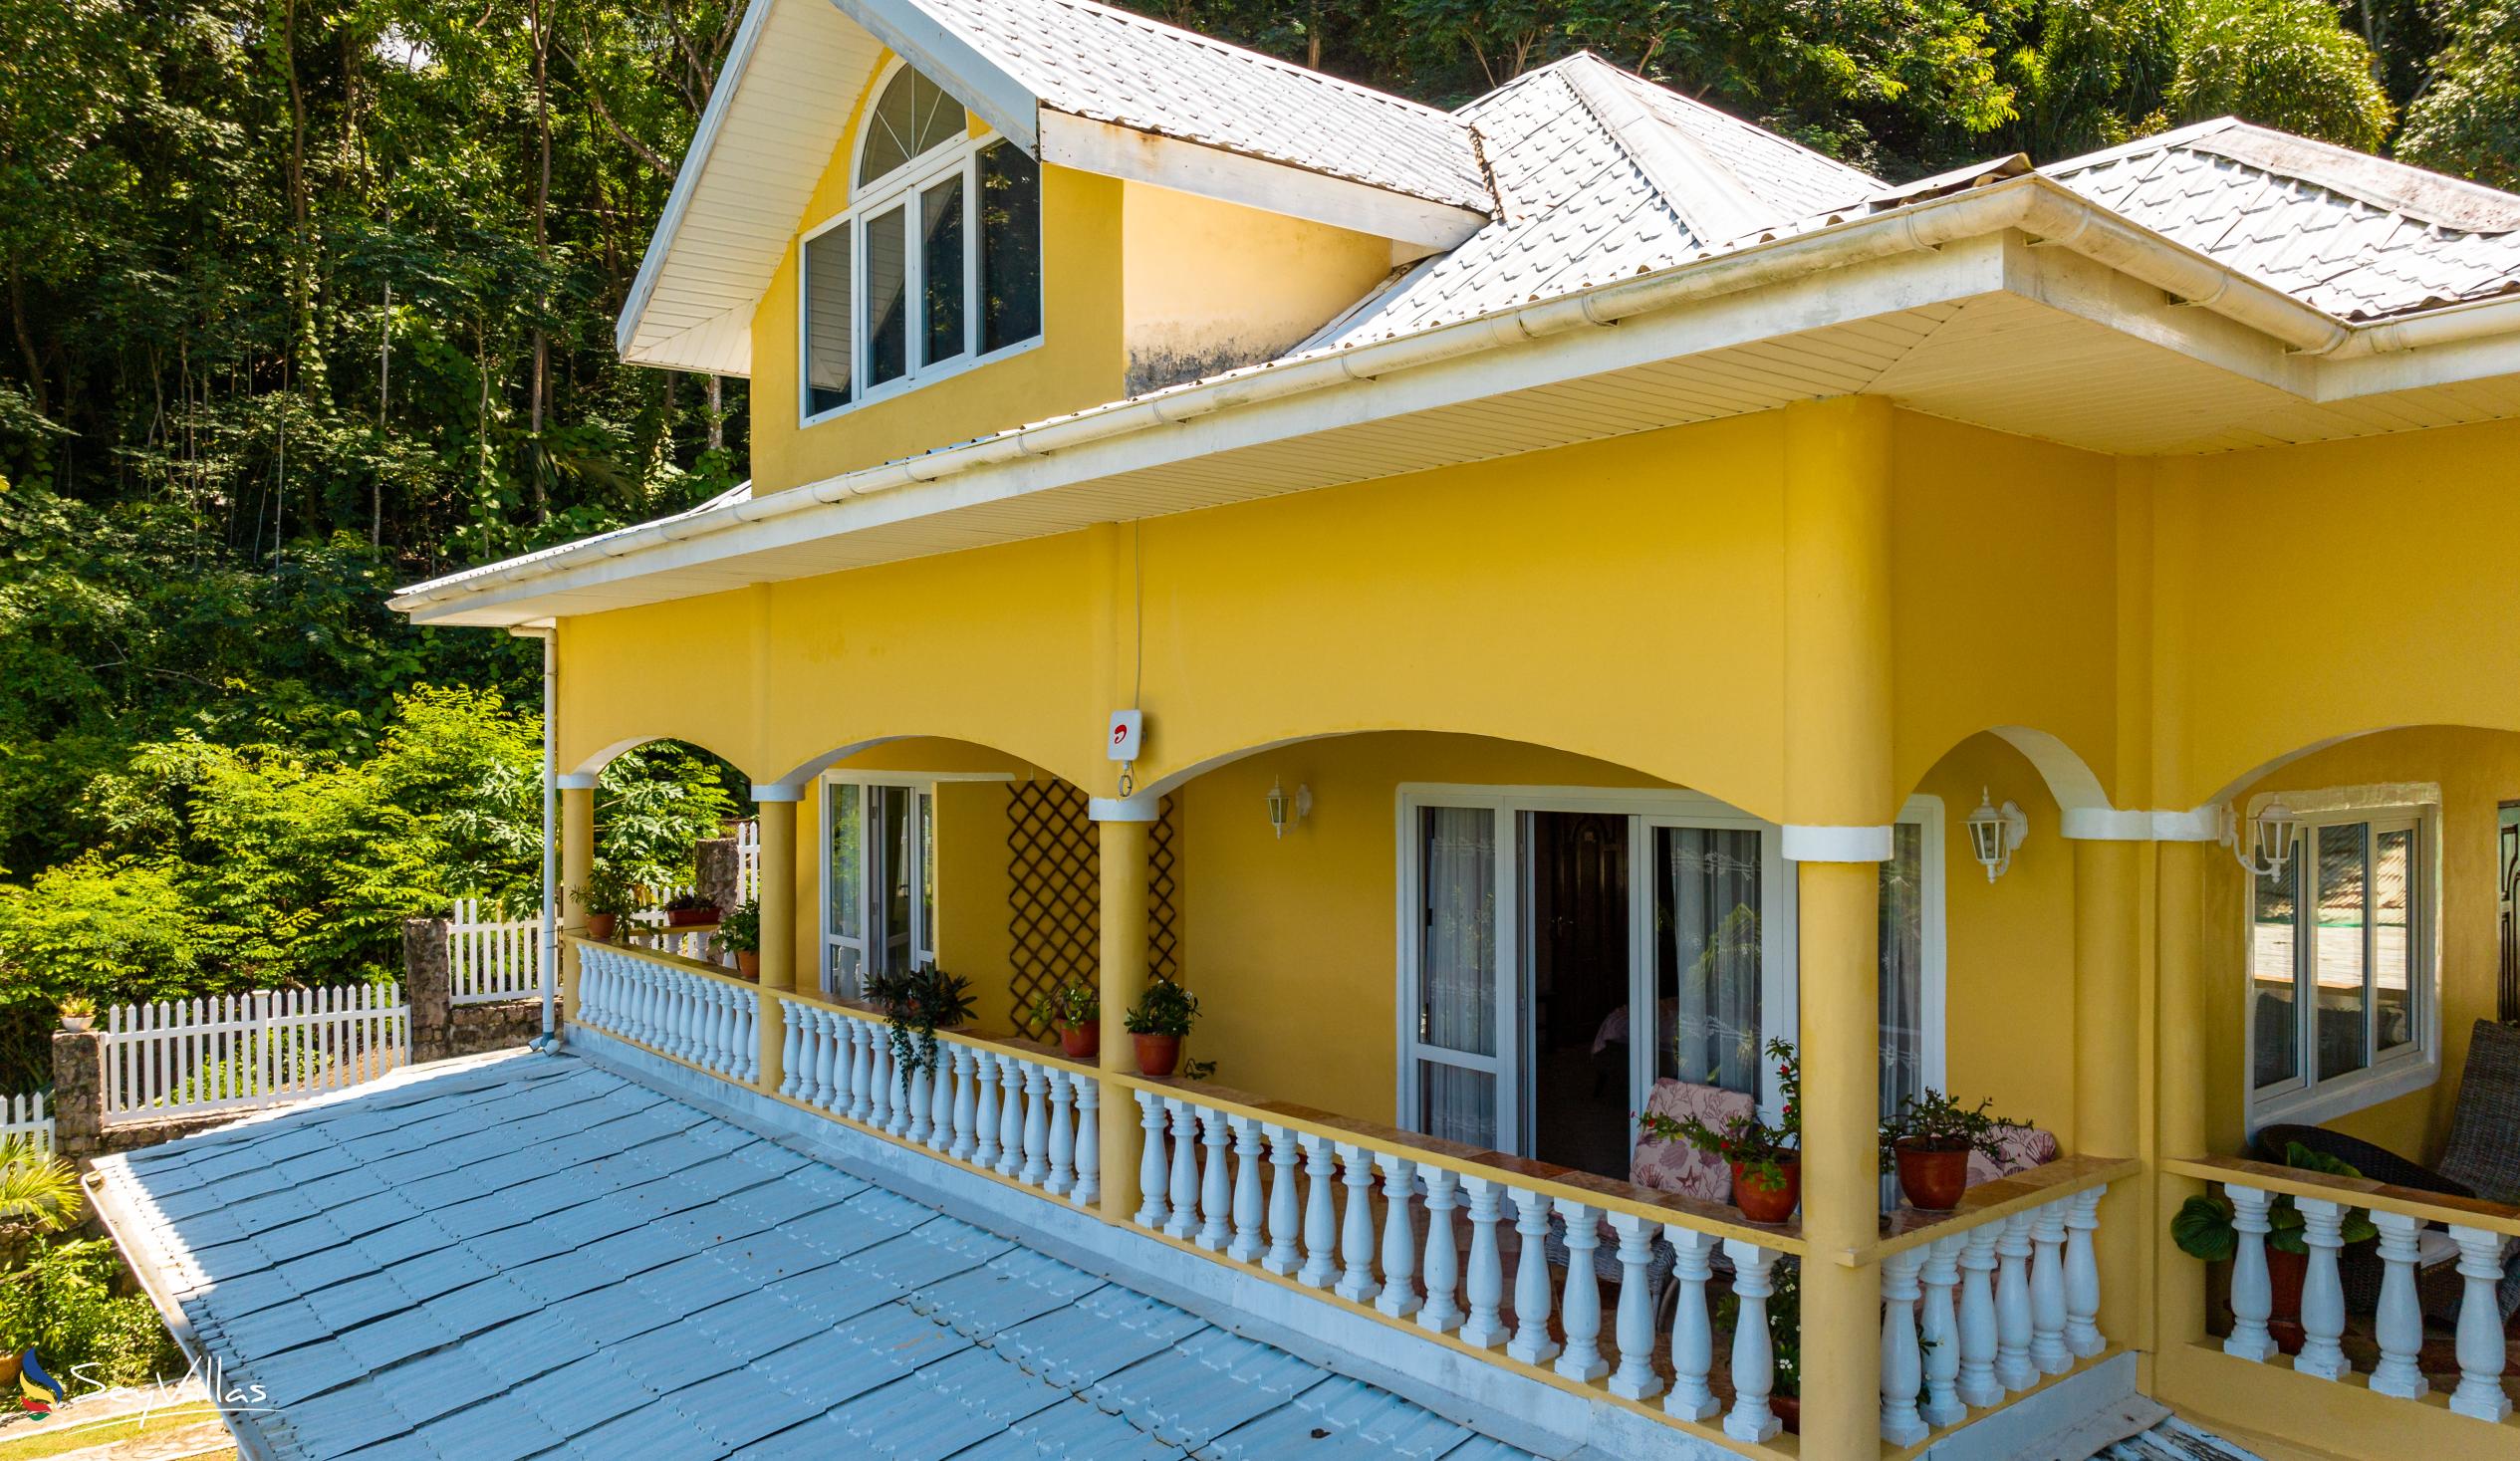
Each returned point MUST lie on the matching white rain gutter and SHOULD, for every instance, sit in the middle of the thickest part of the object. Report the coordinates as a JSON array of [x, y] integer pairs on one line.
[[549, 945], [2054, 216]]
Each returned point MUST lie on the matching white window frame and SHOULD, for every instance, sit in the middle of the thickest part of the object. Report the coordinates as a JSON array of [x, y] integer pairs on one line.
[[1647, 810], [922, 934], [2304, 1099], [905, 182]]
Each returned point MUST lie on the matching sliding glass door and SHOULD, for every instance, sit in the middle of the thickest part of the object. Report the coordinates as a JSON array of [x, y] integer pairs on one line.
[[879, 882], [1457, 1051]]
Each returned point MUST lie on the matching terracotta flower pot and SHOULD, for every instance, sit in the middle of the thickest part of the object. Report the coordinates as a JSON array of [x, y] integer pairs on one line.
[[1932, 1178], [1157, 1054], [600, 927], [749, 964], [1764, 1204], [689, 917], [1789, 1409], [2285, 1273], [1085, 1041]]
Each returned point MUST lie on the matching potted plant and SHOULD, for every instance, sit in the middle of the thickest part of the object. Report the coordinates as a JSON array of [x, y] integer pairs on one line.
[[1766, 1161], [77, 1012], [1929, 1140], [2204, 1230], [608, 898], [690, 910], [917, 1003], [739, 934], [1156, 1023], [1074, 1010]]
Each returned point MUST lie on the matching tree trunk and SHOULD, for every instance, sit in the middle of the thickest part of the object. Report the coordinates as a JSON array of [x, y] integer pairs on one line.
[[36, 390], [542, 249]]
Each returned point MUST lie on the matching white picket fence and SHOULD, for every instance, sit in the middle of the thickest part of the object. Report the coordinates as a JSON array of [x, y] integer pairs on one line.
[[493, 958], [240, 1050], [25, 1117], [747, 859]]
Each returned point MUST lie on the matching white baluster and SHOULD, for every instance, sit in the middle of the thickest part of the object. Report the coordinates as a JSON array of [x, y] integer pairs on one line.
[[1184, 1220], [1692, 1337], [1285, 1254], [2082, 1275], [2398, 1324], [1355, 1227], [862, 1076], [1150, 1163], [1062, 1137], [824, 1081], [2252, 1294], [2322, 1290], [1532, 1299], [940, 1096], [878, 1077], [1247, 1194], [1977, 1382], [1399, 1298], [1903, 1364], [1035, 1169], [1442, 1311], [905, 1089], [984, 1111], [747, 1033], [1010, 1115], [2047, 1289], [966, 1105], [795, 1075], [1089, 1142], [1320, 1262], [1483, 1284], [1580, 1312], [919, 1103], [2481, 1348], [1940, 1327], [1216, 1183], [1753, 1352], [2012, 1305], [1635, 1378]]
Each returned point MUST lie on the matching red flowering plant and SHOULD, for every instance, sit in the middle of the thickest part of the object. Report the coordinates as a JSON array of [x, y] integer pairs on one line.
[[1745, 1140]]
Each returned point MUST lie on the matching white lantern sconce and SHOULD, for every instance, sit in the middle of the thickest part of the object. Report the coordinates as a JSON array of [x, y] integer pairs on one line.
[[2269, 840], [1288, 807], [1995, 833]]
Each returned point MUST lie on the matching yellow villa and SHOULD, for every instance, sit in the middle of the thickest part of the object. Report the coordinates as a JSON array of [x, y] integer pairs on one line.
[[1517, 610]]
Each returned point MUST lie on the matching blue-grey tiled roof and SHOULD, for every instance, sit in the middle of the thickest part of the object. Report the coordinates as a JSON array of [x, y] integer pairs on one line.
[[538, 1257]]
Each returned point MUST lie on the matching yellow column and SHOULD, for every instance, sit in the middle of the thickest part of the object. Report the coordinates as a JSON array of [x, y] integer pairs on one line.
[[1840, 802], [778, 923], [1126, 827], [2180, 1281], [2108, 1071], [577, 861]]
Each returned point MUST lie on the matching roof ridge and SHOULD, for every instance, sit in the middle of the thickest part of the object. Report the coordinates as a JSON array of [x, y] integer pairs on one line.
[[1707, 194], [2159, 141], [1720, 115], [1372, 93], [2419, 194]]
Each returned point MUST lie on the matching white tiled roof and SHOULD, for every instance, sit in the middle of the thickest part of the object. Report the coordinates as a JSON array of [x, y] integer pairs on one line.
[[1785, 174], [1107, 65], [2328, 239]]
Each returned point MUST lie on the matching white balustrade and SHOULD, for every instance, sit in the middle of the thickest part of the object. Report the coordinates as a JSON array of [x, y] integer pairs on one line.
[[1441, 1312], [1753, 1351], [1902, 1361], [2482, 1349], [1938, 1330], [2323, 1291], [2398, 1323], [1635, 1378], [2012, 1305], [1692, 1339], [1483, 1285], [707, 1022], [1247, 1203]]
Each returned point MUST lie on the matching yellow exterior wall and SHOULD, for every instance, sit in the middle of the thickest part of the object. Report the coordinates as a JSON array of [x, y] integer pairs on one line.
[[1211, 285]]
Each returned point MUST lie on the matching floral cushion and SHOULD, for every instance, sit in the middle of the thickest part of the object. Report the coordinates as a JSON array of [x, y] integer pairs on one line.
[[2018, 1151], [1677, 1166]]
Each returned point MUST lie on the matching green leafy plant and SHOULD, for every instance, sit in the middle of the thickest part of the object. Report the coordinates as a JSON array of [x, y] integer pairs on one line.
[[740, 929], [2204, 1230], [1785, 1322], [1937, 1122], [917, 1003], [67, 1301], [1164, 1009], [1072, 1006], [689, 902], [39, 1193], [1758, 1148], [608, 890], [78, 1007]]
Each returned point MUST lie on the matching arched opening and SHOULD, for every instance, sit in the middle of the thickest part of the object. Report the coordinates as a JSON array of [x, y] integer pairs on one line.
[[676, 833]]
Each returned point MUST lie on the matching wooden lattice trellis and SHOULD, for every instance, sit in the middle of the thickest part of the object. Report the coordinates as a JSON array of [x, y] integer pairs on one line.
[[1054, 893]]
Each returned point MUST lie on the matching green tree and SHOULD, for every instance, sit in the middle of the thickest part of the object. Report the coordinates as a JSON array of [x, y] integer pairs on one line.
[[2289, 64], [2466, 119]]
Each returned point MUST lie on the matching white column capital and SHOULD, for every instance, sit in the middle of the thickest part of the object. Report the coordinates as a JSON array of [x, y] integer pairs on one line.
[[1143, 807], [1806, 843], [762, 793], [574, 781], [2113, 824]]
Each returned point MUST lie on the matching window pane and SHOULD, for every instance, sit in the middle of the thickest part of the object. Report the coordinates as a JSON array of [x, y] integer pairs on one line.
[[2274, 972], [1457, 977], [941, 263], [1010, 247], [2337, 953], [828, 357], [887, 299], [2393, 956], [927, 871], [912, 116], [1455, 1104], [1902, 992], [839, 804], [1707, 957], [892, 896]]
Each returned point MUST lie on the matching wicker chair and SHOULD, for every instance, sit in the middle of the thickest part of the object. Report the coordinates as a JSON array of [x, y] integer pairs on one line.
[[2482, 1159]]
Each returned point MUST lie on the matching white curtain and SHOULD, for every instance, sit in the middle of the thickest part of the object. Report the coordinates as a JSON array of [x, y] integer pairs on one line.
[[1710, 899], [1456, 976], [1902, 933]]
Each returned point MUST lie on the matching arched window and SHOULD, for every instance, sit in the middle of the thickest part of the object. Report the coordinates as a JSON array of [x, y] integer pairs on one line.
[[911, 283]]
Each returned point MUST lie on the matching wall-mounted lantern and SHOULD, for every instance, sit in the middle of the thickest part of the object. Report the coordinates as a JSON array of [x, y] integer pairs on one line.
[[2269, 842], [1288, 807], [1995, 833]]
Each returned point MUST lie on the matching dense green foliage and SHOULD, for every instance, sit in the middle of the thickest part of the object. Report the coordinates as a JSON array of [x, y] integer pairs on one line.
[[309, 298], [65, 1301]]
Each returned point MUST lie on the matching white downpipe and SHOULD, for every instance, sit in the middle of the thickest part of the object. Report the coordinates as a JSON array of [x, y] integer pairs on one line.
[[551, 841]]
